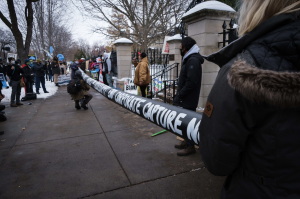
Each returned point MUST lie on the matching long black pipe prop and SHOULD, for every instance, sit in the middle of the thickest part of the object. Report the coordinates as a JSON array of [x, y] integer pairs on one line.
[[181, 122]]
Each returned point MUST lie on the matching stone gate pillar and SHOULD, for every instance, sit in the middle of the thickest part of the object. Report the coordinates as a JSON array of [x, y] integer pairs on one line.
[[174, 53], [204, 22], [123, 57]]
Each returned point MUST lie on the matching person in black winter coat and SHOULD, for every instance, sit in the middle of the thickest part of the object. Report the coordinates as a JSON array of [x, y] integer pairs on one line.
[[39, 70], [14, 73], [250, 131], [189, 84], [28, 76]]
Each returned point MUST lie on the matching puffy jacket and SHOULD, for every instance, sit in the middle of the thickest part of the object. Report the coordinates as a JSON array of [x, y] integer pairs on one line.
[[39, 70], [142, 73], [251, 127], [189, 84], [55, 68]]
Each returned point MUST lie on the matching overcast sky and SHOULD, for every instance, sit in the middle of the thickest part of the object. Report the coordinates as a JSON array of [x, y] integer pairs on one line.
[[80, 27]]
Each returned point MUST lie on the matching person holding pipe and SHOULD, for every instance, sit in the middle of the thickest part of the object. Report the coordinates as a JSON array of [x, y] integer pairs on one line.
[[250, 127], [142, 76], [189, 85]]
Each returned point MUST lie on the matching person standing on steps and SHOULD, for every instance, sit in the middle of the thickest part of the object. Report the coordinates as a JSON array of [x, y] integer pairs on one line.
[[55, 70], [142, 76], [189, 85], [39, 70], [14, 72], [83, 93]]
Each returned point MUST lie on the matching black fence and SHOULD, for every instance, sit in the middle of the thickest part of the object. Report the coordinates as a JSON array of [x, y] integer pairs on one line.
[[162, 79], [156, 60], [229, 35]]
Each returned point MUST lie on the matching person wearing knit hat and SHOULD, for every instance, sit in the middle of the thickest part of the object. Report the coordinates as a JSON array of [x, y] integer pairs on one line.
[[39, 71]]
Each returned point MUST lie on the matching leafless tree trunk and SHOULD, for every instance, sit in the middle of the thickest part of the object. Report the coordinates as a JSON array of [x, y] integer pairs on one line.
[[22, 49]]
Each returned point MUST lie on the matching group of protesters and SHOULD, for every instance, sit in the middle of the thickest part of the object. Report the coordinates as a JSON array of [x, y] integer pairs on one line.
[[29, 73]]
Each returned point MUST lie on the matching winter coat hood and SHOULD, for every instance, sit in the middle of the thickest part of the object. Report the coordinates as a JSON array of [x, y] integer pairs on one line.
[[194, 50]]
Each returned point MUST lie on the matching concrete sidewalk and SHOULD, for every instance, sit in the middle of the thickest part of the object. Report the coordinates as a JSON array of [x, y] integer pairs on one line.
[[105, 152]]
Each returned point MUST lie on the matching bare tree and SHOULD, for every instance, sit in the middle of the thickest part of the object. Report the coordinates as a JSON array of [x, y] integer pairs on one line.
[[12, 24], [51, 29], [147, 20]]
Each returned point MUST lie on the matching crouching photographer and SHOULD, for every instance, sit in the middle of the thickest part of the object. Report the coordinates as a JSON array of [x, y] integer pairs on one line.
[[78, 89]]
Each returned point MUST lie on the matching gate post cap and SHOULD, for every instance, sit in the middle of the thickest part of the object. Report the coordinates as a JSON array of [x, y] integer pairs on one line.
[[123, 41]]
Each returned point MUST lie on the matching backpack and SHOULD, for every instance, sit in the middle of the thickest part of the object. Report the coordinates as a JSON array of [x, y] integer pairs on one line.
[[74, 86]]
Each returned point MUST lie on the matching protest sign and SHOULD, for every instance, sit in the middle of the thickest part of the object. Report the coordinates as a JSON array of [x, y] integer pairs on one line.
[[129, 86], [166, 46], [64, 79]]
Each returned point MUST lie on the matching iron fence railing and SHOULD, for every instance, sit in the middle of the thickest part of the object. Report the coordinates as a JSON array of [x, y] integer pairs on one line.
[[158, 80], [170, 90], [229, 35]]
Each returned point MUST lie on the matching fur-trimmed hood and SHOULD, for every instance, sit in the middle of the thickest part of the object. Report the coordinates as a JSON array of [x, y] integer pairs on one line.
[[279, 89]]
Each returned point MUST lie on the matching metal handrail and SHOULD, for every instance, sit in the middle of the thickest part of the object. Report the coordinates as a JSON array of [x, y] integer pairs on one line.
[[167, 69]]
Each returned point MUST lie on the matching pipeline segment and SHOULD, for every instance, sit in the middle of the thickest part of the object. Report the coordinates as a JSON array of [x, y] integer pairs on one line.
[[181, 122]]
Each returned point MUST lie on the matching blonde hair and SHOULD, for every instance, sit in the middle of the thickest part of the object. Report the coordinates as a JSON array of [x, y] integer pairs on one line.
[[254, 12]]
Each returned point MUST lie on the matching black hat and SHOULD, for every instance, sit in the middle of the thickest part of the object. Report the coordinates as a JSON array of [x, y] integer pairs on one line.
[[143, 55]]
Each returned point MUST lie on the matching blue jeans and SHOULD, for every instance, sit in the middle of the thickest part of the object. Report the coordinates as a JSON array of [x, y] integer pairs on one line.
[[109, 79], [40, 80], [50, 77]]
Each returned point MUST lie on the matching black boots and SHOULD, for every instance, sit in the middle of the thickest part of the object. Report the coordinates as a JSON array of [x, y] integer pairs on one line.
[[83, 105], [57, 85], [77, 105]]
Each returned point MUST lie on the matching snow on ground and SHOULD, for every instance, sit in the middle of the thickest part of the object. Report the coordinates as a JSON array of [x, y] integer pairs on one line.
[[50, 86]]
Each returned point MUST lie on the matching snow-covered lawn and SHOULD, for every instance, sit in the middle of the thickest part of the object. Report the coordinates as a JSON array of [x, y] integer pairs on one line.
[[50, 86]]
